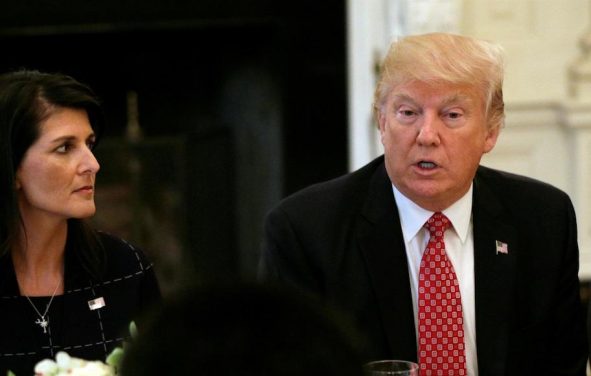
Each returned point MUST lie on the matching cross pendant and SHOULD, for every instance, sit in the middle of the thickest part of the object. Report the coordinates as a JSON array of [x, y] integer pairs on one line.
[[42, 322]]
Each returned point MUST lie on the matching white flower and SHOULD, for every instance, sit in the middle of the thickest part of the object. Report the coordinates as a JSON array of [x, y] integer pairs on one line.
[[95, 368], [46, 367], [65, 365], [63, 360]]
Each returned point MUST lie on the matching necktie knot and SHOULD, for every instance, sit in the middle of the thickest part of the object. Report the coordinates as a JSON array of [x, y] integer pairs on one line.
[[437, 224]]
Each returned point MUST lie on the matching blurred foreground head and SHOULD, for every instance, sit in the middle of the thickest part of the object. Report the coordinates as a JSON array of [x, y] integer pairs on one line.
[[243, 330]]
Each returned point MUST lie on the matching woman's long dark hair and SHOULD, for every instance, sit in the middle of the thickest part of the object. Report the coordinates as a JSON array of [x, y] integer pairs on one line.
[[27, 98]]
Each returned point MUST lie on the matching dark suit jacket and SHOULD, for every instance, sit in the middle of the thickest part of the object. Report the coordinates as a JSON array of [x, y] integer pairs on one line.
[[342, 240]]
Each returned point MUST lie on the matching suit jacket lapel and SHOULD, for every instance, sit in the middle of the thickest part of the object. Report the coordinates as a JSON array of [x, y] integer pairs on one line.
[[380, 239], [494, 275]]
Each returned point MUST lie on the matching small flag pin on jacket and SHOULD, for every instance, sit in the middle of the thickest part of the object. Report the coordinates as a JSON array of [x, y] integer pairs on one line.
[[502, 247], [96, 303]]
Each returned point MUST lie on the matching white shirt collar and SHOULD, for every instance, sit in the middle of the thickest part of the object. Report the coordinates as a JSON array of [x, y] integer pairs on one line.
[[413, 217]]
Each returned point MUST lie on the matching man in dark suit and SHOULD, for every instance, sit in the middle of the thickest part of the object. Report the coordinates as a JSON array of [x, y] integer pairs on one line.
[[511, 250]]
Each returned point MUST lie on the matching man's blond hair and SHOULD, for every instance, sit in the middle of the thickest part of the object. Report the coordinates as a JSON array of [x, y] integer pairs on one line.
[[445, 58]]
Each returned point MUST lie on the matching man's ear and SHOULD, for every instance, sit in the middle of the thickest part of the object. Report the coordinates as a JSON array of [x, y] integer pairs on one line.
[[491, 138], [381, 123]]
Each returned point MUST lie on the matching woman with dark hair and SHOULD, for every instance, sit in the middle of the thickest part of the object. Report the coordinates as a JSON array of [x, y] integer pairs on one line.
[[63, 285]]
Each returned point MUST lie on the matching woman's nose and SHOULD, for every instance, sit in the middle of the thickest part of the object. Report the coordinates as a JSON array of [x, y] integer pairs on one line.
[[89, 163]]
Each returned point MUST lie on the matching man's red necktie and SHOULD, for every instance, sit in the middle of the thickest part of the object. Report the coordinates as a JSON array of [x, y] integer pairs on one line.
[[441, 330]]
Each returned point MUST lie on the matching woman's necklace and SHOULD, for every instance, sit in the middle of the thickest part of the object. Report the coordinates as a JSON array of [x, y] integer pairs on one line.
[[43, 321]]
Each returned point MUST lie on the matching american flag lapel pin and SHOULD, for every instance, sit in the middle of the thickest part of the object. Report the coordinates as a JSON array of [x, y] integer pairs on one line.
[[502, 247], [96, 303]]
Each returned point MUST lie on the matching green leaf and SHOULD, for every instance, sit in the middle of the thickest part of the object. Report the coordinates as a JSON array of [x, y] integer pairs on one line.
[[115, 357], [133, 330], [10, 373]]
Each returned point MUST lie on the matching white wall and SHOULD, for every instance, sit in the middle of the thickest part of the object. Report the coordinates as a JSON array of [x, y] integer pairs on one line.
[[540, 38]]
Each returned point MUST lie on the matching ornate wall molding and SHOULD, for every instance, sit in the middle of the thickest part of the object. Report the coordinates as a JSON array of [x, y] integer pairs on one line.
[[552, 142]]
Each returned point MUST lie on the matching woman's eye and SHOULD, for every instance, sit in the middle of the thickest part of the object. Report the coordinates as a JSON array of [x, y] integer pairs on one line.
[[63, 148], [91, 144]]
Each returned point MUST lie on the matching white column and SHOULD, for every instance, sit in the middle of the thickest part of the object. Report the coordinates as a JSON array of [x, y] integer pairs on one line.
[[577, 118], [365, 37]]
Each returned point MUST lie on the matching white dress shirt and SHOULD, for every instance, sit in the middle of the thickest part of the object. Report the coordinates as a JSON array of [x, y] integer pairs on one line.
[[459, 245]]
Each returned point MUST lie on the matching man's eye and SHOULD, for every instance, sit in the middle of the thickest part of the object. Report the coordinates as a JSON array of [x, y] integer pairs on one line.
[[454, 115], [406, 113]]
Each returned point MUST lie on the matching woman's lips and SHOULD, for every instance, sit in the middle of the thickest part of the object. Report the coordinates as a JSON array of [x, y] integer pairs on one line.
[[86, 189]]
